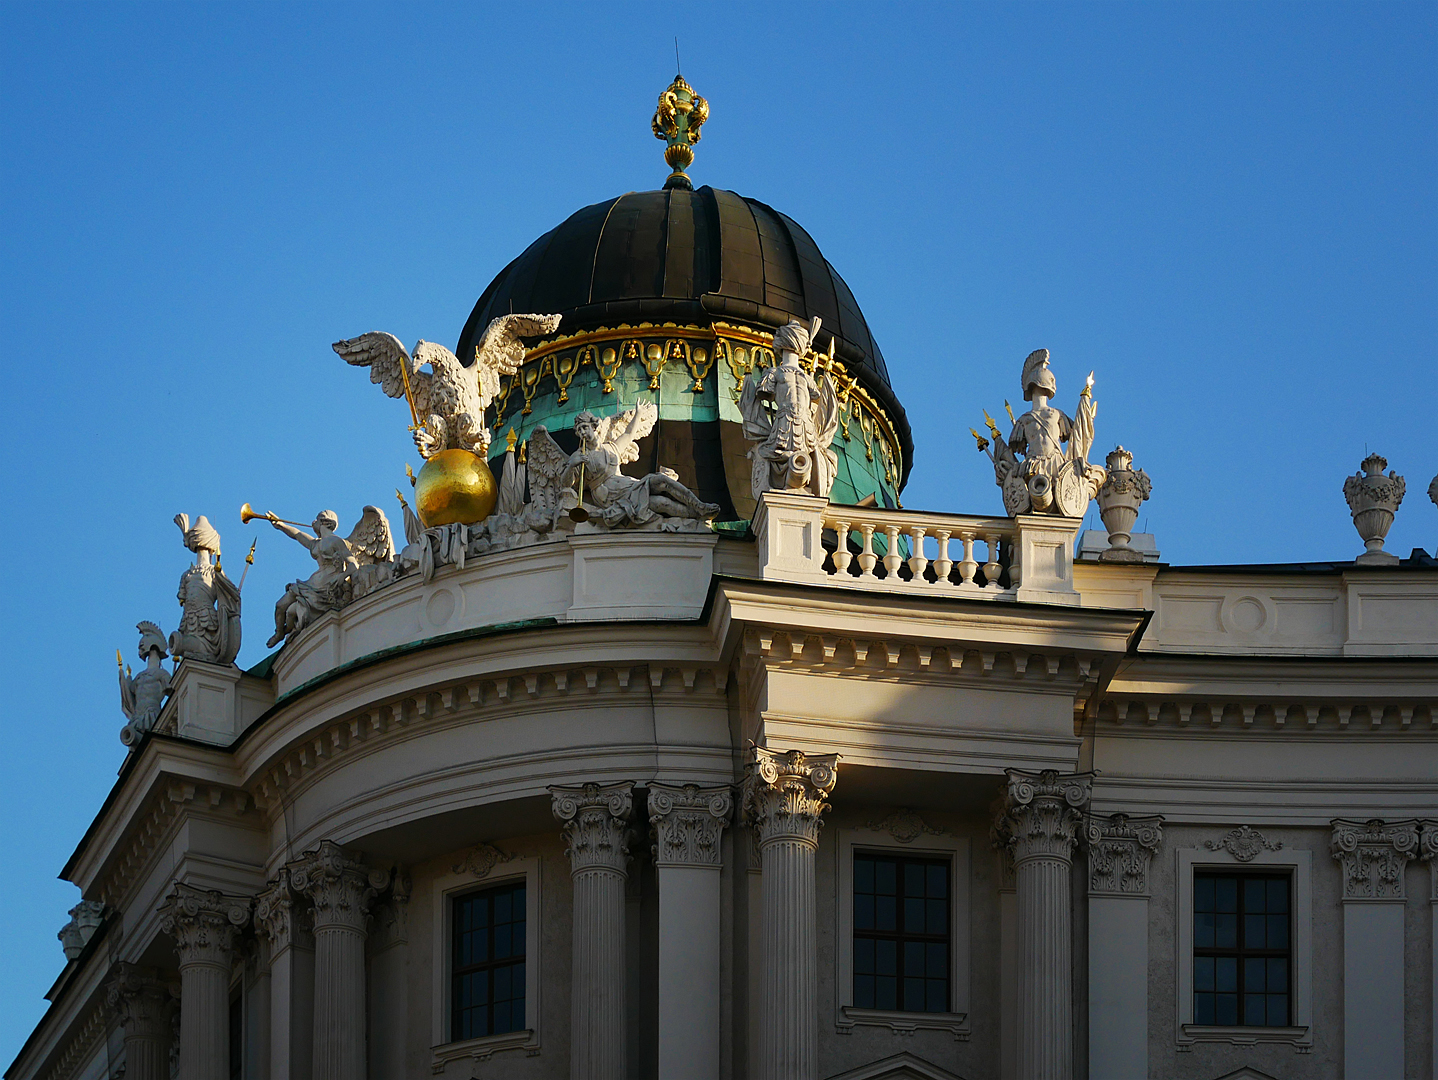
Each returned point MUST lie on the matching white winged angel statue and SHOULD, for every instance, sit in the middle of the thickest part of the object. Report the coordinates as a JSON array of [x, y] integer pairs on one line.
[[348, 568], [447, 402], [656, 501]]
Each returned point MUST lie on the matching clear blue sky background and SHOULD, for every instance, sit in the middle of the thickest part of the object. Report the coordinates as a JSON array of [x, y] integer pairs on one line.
[[1226, 211]]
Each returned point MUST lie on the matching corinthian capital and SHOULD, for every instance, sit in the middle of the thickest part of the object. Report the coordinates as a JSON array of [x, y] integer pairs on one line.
[[1119, 849], [785, 793], [596, 824], [340, 887], [688, 822], [1041, 813], [143, 1002], [1373, 854], [279, 916], [203, 923]]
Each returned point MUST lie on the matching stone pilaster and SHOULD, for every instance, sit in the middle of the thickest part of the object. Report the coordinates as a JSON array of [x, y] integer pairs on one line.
[[1120, 849], [146, 1007], [340, 888], [204, 924], [1373, 855], [1039, 824], [687, 822], [1428, 850], [283, 919], [784, 800], [596, 824]]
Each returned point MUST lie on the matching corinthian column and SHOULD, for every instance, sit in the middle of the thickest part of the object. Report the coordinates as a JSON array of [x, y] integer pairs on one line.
[[340, 888], [784, 797], [688, 823], [1039, 825], [204, 924], [147, 1009], [285, 924], [596, 820]]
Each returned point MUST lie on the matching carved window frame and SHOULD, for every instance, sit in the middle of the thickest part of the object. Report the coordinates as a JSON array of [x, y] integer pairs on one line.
[[1299, 866], [447, 888], [956, 850]]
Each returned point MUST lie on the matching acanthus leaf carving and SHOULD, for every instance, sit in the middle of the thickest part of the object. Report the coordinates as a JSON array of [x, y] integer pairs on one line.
[[905, 826], [687, 823], [1373, 854], [480, 860], [1120, 849], [204, 923], [1041, 813], [596, 824], [340, 888], [785, 794]]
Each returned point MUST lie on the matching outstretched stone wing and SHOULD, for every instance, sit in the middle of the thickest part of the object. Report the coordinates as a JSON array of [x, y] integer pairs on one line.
[[624, 430], [388, 361], [371, 541], [500, 351], [548, 467]]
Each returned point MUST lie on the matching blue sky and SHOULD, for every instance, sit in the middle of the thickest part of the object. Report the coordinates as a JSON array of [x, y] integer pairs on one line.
[[1226, 211]]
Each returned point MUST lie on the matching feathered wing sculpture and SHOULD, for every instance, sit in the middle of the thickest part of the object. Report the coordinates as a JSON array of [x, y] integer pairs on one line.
[[624, 430], [500, 352], [371, 541], [386, 357], [549, 488]]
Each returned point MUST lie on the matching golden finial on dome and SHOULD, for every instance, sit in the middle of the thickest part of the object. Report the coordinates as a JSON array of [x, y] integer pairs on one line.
[[677, 120]]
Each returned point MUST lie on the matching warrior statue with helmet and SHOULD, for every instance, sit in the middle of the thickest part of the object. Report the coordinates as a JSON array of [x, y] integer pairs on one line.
[[1036, 472], [793, 416], [210, 601], [142, 695]]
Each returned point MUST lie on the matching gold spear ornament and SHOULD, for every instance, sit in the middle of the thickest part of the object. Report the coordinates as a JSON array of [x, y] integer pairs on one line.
[[983, 442], [1010, 410], [249, 562]]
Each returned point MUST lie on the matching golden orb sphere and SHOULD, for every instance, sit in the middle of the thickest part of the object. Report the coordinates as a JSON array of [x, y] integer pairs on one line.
[[455, 487]]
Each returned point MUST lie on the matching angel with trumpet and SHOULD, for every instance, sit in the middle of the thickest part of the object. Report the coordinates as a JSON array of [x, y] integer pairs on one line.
[[606, 443]]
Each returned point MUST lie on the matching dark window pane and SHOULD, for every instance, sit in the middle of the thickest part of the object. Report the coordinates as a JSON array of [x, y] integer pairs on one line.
[[937, 962], [863, 874], [886, 960], [1203, 1008], [1277, 1010], [1253, 931], [885, 992], [501, 984], [1278, 975], [913, 879], [913, 914], [1225, 931], [1254, 890], [863, 913], [1203, 930], [1203, 894], [864, 956], [884, 877], [1203, 973], [487, 988], [1225, 894], [1225, 974], [914, 958], [501, 1017], [501, 907], [913, 995], [938, 996], [938, 921], [1278, 931], [1253, 972], [885, 913], [1255, 1011], [1278, 894], [1225, 1009], [939, 882], [864, 991]]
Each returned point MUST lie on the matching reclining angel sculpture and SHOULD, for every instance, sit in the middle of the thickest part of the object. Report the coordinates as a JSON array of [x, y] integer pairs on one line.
[[658, 500], [348, 568], [447, 402]]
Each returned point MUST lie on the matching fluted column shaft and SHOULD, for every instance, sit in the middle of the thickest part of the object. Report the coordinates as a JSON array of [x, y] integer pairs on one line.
[[285, 923], [341, 890], [1039, 824], [204, 924], [596, 821], [688, 827], [147, 1010], [784, 797]]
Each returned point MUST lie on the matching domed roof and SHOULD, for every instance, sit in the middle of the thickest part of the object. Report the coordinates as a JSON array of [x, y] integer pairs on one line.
[[687, 256]]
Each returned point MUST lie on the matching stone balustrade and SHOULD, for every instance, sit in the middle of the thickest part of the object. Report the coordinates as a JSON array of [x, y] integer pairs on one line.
[[1027, 558]]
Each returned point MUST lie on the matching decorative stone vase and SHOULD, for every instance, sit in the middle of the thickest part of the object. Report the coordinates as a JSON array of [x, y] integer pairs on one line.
[[1374, 499], [1118, 501]]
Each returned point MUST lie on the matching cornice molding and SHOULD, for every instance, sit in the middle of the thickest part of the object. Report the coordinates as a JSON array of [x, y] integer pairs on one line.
[[1260, 712]]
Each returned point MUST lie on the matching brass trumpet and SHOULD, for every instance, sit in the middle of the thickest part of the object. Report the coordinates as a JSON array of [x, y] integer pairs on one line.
[[247, 515]]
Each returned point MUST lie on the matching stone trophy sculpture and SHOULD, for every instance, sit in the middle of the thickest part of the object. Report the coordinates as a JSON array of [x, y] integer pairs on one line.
[[447, 405], [792, 415], [348, 568], [142, 695], [1373, 499], [209, 601], [657, 501], [1035, 471]]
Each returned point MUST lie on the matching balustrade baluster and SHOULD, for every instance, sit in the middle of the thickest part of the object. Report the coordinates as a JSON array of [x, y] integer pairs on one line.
[[892, 559], [943, 564], [992, 567], [917, 562], [967, 566], [842, 555], [867, 558]]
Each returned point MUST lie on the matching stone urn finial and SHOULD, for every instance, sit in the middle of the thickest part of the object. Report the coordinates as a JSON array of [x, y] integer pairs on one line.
[[1373, 499], [1118, 501]]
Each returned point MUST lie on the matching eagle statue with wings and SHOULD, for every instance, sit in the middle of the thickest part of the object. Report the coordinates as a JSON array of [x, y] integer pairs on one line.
[[448, 401], [657, 501]]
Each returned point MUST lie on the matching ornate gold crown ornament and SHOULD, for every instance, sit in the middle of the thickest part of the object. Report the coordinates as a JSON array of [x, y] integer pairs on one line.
[[677, 120]]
